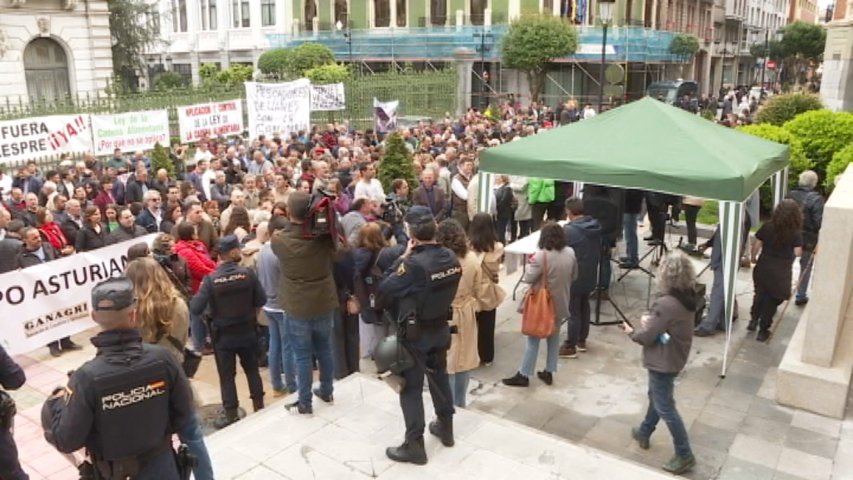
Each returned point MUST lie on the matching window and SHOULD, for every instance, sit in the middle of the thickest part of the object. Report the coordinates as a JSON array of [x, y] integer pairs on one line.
[[382, 13], [267, 13], [310, 14], [179, 15], [208, 15], [402, 20], [342, 12], [240, 16], [46, 70], [438, 12]]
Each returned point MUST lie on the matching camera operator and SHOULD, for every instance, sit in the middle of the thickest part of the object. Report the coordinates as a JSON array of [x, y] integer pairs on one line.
[[12, 378], [396, 206], [422, 284]]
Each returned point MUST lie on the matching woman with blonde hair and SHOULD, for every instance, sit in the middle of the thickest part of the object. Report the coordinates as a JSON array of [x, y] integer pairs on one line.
[[462, 357]]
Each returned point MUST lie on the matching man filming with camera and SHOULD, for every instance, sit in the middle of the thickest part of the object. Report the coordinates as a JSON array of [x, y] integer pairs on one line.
[[422, 284]]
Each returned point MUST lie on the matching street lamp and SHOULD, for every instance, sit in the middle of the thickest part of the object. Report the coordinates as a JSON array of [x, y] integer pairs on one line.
[[766, 57], [347, 36], [482, 48], [605, 16], [723, 54]]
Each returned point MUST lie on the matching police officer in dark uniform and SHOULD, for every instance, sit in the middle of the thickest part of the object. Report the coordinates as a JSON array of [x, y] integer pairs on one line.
[[234, 295], [423, 283], [125, 404], [11, 378]]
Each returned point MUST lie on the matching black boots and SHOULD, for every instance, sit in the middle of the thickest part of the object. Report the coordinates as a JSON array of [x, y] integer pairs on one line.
[[442, 427], [258, 404], [409, 452], [228, 417]]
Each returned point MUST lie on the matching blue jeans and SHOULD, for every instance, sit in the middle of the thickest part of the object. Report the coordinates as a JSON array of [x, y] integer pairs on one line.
[[281, 357], [459, 387], [662, 406], [531, 352], [192, 437], [802, 289], [629, 230], [198, 332], [312, 337]]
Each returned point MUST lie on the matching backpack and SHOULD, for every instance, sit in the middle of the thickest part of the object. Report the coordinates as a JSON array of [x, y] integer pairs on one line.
[[366, 286]]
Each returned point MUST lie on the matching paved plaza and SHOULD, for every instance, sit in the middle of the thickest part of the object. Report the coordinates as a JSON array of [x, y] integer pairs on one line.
[[577, 428]]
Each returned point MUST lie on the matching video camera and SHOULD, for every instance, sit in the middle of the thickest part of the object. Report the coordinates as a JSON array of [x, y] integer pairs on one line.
[[394, 211]]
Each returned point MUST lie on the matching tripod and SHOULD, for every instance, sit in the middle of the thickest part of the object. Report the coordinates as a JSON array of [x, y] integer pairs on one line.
[[598, 292]]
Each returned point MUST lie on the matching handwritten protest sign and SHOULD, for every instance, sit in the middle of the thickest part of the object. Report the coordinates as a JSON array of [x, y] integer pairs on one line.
[[328, 98], [31, 138], [278, 108], [385, 115], [130, 131], [210, 120]]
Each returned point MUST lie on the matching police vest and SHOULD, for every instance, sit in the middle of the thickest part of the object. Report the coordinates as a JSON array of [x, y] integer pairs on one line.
[[132, 404], [443, 273], [232, 305]]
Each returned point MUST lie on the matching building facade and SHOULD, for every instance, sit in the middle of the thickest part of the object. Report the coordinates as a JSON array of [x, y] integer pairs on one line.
[[53, 49], [802, 10]]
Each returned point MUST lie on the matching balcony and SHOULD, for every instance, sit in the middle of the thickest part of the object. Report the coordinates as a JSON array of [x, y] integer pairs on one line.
[[633, 44], [241, 39], [208, 41]]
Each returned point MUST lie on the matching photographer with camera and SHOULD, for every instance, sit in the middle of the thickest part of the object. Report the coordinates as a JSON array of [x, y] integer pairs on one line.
[[422, 285], [395, 208], [11, 378]]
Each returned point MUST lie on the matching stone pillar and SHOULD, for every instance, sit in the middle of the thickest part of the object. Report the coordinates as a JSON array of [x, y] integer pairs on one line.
[[816, 370], [464, 58], [460, 19], [836, 87]]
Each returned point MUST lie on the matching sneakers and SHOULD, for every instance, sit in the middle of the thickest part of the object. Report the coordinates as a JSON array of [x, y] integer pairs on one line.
[[54, 350], [546, 377], [763, 335], [581, 347], [443, 429], [301, 409], [517, 380], [326, 398], [801, 301], [678, 465], [68, 345], [567, 351], [409, 452], [642, 441], [753, 324]]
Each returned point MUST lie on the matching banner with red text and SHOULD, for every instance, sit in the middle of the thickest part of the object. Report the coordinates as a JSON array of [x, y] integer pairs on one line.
[[130, 131], [32, 138], [210, 120], [46, 302]]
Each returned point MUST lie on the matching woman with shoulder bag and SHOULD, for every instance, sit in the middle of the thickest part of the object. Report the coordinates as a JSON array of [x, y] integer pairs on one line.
[[369, 243], [163, 319], [462, 357], [490, 295], [548, 271]]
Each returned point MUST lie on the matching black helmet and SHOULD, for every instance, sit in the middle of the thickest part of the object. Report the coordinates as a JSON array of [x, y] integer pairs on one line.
[[392, 356]]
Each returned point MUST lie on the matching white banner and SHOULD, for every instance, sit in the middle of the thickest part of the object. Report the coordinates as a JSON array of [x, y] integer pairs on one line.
[[31, 138], [278, 108], [44, 303], [130, 131], [328, 98], [385, 115], [210, 120]]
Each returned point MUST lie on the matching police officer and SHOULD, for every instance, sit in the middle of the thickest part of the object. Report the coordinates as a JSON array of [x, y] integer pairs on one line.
[[125, 404], [234, 295], [11, 378], [423, 283]]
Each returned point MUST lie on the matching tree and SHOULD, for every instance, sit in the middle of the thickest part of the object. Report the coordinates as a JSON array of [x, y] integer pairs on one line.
[[803, 44], [684, 46], [331, 73], [781, 108], [276, 62], [396, 163], [533, 42], [160, 159], [775, 50], [308, 56], [134, 29], [822, 134], [168, 81]]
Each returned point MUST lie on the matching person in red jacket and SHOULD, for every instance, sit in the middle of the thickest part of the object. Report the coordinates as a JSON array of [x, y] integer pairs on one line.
[[199, 264], [51, 233]]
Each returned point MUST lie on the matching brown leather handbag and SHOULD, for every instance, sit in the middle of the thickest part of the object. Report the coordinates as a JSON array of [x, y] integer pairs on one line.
[[537, 318]]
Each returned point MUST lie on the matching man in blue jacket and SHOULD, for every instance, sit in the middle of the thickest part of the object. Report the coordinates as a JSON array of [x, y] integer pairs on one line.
[[583, 235]]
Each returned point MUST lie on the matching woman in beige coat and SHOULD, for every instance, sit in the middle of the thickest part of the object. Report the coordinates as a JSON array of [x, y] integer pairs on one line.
[[462, 356], [490, 295]]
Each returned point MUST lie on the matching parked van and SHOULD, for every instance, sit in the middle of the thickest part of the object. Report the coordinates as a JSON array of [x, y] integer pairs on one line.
[[670, 91]]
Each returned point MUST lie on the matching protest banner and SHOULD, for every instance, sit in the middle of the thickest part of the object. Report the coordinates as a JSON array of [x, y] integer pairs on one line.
[[47, 302], [130, 131], [328, 98], [30, 138], [210, 120], [385, 115], [278, 108]]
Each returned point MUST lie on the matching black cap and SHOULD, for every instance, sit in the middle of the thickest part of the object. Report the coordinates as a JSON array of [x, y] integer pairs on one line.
[[228, 243], [419, 214], [113, 294]]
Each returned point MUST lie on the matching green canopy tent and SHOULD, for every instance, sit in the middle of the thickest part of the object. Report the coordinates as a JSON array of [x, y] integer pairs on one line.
[[649, 145]]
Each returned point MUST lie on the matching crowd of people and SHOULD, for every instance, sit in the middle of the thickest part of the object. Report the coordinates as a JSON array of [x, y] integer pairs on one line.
[[233, 272]]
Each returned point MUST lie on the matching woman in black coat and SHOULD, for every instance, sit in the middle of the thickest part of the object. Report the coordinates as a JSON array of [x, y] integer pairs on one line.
[[93, 234], [777, 243]]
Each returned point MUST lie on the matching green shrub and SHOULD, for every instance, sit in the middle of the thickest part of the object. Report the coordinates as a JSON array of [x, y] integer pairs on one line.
[[838, 165], [799, 161], [308, 56], [396, 163], [160, 159], [781, 108], [235, 75], [276, 62], [822, 133], [168, 81], [331, 73]]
